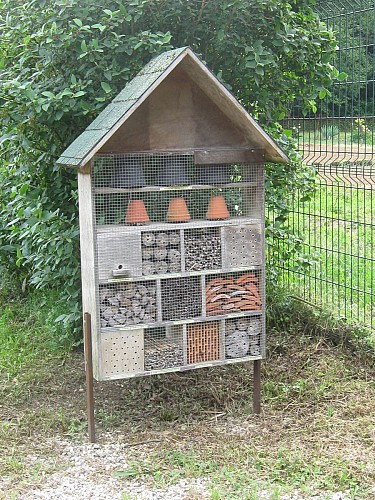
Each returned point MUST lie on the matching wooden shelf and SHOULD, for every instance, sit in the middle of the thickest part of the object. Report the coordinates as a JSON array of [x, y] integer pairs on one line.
[[184, 274], [165, 226], [183, 368], [194, 187], [200, 319]]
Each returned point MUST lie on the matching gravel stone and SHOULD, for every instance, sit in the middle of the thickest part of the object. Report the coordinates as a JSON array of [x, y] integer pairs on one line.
[[90, 475]]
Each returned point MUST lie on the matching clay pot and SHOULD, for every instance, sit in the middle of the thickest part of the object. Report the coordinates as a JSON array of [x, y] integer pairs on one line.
[[173, 172], [178, 211], [136, 214], [128, 173], [213, 174], [217, 208]]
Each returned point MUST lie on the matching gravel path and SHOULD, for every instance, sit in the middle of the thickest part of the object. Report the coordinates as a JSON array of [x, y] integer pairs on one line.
[[89, 475]]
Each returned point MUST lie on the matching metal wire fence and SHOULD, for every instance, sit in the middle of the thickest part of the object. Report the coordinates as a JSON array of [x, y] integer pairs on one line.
[[338, 223]]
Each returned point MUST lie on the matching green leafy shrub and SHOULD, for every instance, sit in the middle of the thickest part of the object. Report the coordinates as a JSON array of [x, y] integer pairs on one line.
[[61, 62]]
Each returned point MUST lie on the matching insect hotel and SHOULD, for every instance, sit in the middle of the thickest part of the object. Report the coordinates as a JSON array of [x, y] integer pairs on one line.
[[171, 196]]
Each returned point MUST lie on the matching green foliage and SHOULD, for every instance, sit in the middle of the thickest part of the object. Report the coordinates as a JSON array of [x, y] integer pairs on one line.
[[355, 59], [267, 52], [62, 62]]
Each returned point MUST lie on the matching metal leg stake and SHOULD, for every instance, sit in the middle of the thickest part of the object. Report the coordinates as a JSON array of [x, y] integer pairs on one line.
[[89, 377], [256, 390]]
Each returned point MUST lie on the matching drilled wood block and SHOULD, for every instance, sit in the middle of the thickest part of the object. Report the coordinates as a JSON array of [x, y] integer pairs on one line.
[[242, 246], [122, 353]]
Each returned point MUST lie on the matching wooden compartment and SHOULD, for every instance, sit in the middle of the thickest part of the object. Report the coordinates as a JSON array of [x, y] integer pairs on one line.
[[203, 342]]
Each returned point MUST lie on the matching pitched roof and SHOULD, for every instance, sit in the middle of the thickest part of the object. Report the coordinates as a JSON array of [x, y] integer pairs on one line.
[[136, 92]]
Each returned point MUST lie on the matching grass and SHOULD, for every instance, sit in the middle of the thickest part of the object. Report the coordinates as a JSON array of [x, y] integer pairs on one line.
[[331, 135], [315, 434]]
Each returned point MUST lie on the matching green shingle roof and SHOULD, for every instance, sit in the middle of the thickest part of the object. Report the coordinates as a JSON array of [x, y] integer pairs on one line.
[[76, 154]]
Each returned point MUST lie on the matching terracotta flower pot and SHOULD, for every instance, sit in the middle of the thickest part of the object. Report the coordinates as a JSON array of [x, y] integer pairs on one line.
[[217, 208], [178, 211], [136, 214]]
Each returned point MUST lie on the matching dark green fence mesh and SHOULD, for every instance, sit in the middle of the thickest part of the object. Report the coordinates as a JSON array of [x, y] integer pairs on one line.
[[338, 224]]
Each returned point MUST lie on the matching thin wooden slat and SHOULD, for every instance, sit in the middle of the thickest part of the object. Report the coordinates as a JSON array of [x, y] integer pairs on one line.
[[191, 187], [88, 261]]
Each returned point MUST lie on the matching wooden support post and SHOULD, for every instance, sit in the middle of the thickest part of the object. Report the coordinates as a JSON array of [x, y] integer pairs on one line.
[[89, 376], [256, 389]]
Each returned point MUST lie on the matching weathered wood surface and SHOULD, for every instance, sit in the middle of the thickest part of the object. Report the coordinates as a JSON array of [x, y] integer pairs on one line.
[[88, 270]]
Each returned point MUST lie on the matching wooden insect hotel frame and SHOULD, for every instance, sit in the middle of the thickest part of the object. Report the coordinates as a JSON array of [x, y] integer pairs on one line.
[[171, 196]]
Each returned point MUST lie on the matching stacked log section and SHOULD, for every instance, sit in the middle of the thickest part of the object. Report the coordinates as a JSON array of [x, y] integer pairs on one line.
[[181, 298], [232, 295], [202, 249], [242, 337], [161, 253], [127, 304]]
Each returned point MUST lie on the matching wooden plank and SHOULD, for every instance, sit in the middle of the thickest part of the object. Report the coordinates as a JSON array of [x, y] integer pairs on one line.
[[88, 261], [195, 224], [159, 311], [217, 156], [190, 187]]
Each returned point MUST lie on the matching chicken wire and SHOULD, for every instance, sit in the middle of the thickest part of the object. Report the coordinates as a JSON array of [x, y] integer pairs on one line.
[[180, 262]]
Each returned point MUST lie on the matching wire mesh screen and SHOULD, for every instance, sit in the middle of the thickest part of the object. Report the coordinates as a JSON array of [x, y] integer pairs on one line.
[[337, 225], [180, 261]]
